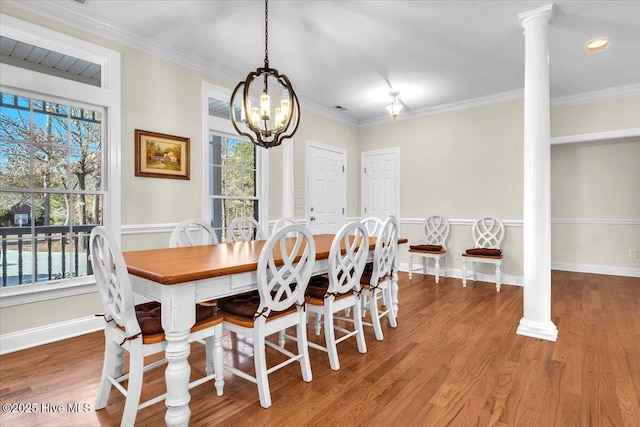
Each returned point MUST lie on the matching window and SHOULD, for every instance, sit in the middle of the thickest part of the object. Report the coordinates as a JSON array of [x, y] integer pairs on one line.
[[51, 188], [59, 159], [236, 170], [232, 181]]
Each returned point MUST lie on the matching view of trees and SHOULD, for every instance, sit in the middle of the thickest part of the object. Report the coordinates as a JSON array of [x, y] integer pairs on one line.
[[233, 180], [53, 151], [50, 178]]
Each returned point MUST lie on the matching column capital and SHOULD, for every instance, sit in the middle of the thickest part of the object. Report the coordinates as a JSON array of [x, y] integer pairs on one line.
[[540, 15]]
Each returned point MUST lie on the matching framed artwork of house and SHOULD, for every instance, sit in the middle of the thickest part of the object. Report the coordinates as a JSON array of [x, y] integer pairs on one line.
[[158, 155]]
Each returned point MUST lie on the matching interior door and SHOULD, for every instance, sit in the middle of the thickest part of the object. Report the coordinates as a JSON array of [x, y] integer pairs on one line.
[[325, 188], [380, 191]]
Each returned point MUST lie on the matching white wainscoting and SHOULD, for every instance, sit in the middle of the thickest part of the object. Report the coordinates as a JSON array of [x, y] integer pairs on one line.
[[576, 267], [50, 333]]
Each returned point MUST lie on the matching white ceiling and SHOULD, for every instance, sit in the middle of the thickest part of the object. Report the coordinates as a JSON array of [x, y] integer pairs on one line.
[[353, 53]]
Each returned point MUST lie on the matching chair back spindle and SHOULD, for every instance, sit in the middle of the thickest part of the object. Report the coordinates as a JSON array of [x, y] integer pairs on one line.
[[193, 232], [244, 229]]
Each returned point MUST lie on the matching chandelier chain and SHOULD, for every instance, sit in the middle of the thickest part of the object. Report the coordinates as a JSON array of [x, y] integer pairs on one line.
[[266, 33]]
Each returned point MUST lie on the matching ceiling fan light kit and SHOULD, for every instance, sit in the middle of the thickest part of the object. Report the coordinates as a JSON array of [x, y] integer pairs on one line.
[[395, 107]]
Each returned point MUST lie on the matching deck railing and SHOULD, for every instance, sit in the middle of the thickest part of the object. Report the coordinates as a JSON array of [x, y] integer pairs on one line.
[[44, 252]]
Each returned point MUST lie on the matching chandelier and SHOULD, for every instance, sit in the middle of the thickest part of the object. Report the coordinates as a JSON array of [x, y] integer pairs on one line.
[[263, 126], [395, 106]]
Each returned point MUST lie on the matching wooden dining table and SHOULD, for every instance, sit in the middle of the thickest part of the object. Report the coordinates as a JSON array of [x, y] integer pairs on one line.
[[181, 277]]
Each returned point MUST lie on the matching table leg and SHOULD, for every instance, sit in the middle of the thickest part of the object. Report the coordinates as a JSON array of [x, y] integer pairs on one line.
[[394, 289], [178, 316]]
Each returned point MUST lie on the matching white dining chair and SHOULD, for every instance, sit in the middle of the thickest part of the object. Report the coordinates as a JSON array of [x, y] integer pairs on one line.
[[488, 233], [377, 282], [326, 296], [279, 305], [372, 224], [244, 229], [281, 222], [137, 329], [192, 232], [436, 232]]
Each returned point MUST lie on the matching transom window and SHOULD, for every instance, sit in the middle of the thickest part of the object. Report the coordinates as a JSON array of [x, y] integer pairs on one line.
[[59, 159]]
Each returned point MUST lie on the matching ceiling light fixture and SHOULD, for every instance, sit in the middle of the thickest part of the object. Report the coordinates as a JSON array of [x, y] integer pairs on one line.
[[597, 44], [264, 127], [395, 106]]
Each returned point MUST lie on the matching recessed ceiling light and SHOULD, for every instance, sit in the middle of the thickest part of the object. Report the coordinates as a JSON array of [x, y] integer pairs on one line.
[[597, 44]]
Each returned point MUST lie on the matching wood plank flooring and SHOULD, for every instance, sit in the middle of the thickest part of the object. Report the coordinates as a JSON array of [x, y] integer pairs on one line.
[[454, 360]]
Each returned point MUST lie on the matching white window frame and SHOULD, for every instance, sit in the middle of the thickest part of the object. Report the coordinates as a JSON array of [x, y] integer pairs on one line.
[[107, 96], [222, 126]]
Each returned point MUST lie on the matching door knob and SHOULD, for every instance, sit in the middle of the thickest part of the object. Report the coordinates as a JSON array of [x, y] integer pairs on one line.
[[313, 218]]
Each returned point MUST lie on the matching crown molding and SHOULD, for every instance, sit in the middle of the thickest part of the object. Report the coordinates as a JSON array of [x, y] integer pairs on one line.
[[68, 13], [327, 112], [596, 95], [495, 98]]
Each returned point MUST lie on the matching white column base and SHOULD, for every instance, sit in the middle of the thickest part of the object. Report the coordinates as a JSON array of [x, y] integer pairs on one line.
[[546, 331]]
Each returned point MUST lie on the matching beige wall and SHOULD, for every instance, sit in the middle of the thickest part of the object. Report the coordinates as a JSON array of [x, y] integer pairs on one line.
[[600, 182], [42, 313], [462, 164], [597, 116], [469, 163], [161, 96]]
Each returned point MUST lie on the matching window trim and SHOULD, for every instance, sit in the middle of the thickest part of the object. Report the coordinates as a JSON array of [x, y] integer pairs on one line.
[[106, 96], [217, 125]]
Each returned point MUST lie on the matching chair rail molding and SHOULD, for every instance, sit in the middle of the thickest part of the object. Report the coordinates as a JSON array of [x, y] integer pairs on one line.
[[462, 221], [598, 221]]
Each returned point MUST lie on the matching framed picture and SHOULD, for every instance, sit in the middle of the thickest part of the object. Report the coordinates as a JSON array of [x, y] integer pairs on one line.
[[161, 156]]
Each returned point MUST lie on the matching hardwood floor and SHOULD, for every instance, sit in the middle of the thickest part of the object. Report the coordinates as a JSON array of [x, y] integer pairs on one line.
[[454, 360]]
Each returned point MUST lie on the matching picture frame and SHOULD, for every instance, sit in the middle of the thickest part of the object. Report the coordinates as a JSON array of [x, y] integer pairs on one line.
[[158, 155]]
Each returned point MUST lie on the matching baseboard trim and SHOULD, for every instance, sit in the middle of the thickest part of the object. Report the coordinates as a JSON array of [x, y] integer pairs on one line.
[[597, 269], [545, 331], [34, 337], [456, 273], [58, 331]]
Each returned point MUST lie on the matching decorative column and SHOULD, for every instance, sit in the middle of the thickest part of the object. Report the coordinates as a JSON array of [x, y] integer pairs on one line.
[[536, 321]]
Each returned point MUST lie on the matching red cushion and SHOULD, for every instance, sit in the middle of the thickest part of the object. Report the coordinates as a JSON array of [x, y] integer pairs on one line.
[[317, 290], [484, 251], [149, 316], [368, 268], [426, 248], [244, 305]]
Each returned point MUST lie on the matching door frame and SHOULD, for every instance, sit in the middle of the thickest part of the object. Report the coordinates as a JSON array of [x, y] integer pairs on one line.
[[343, 152], [396, 153]]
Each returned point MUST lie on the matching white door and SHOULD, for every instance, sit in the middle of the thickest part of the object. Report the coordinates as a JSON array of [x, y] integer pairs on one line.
[[380, 190], [326, 201]]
